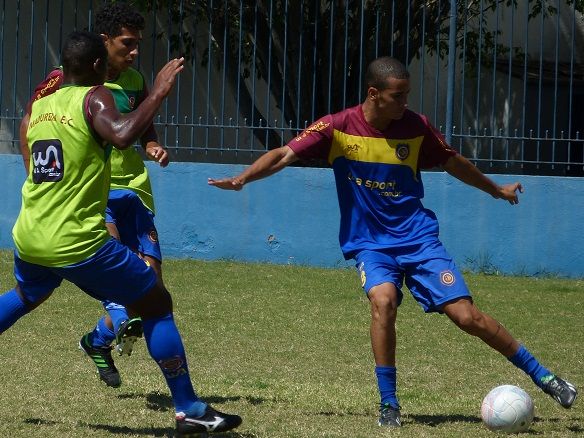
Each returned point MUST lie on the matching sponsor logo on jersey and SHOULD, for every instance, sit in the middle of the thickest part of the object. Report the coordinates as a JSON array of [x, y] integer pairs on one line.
[[447, 278], [47, 160], [318, 126]]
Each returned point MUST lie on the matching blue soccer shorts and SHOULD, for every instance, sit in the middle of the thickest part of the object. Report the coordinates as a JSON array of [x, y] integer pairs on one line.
[[114, 273], [428, 270], [134, 221]]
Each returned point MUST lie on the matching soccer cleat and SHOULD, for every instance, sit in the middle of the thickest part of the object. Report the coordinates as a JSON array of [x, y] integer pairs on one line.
[[561, 391], [128, 333], [102, 358], [211, 421], [389, 416]]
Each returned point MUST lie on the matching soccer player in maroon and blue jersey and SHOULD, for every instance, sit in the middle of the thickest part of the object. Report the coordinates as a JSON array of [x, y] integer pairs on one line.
[[376, 150]]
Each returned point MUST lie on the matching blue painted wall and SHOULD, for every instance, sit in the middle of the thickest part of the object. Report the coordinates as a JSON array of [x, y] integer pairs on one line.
[[292, 217]]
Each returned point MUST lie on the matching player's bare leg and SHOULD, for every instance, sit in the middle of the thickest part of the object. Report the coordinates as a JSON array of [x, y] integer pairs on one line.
[[384, 303], [470, 319]]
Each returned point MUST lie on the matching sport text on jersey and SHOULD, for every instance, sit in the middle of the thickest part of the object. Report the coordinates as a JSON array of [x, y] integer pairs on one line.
[[383, 188], [47, 160]]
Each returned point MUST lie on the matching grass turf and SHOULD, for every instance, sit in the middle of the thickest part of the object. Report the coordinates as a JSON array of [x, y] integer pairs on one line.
[[287, 348]]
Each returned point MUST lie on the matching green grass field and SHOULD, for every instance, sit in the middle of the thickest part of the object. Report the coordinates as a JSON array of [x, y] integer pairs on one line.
[[288, 349]]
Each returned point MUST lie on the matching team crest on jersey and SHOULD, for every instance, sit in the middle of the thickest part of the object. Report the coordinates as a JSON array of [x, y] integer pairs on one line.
[[47, 160], [132, 102], [402, 151], [447, 278], [153, 235]]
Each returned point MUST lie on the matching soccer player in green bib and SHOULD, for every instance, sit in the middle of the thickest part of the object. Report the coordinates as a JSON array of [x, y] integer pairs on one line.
[[130, 207], [60, 232]]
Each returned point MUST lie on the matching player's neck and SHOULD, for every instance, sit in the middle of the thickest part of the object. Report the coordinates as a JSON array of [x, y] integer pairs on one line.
[[373, 118], [112, 74]]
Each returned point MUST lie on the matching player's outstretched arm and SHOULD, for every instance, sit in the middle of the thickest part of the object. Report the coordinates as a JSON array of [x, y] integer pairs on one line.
[[266, 165], [464, 170], [123, 130]]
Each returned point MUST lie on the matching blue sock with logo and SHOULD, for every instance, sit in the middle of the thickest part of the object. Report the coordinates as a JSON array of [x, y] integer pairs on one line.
[[387, 383], [12, 308], [525, 361], [102, 336], [118, 315], [166, 348]]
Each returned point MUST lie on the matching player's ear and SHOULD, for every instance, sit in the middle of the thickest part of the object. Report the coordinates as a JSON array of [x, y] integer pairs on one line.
[[104, 37], [100, 67], [372, 93]]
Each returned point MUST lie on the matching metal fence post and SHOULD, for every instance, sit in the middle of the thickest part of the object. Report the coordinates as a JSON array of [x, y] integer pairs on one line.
[[451, 71]]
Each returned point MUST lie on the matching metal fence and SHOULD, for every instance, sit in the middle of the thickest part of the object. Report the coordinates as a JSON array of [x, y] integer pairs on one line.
[[505, 84]]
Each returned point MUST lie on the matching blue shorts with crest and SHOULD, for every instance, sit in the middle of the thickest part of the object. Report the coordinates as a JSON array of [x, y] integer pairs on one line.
[[427, 269], [134, 221]]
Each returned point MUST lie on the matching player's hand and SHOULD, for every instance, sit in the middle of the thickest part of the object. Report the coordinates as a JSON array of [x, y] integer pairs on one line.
[[508, 192], [233, 183], [166, 77], [159, 154]]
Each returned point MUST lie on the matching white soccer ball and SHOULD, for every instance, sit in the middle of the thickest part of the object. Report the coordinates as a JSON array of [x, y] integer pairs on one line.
[[508, 409]]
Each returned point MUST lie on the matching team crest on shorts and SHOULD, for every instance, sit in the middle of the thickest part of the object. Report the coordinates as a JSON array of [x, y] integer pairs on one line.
[[447, 278], [153, 236], [402, 151]]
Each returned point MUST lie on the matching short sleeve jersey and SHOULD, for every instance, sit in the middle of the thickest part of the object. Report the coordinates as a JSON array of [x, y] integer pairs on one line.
[[61, 220], [377, 174], [127, 166]]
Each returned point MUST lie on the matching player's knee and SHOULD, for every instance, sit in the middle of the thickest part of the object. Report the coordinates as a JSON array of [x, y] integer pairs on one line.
[[157, 302], [384, 304], [468, 320]]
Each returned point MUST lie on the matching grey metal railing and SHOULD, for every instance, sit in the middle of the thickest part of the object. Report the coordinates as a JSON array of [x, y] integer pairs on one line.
[[505, 84]]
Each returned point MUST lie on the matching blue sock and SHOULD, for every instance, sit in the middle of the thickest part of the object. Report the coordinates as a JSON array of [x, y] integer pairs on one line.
[[525, 361], [166, 348], [118, 314], [387, 382], [11, 309], [102, 336]]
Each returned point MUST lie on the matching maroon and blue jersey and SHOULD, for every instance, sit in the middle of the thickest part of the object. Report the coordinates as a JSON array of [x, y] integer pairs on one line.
[[378, 179]]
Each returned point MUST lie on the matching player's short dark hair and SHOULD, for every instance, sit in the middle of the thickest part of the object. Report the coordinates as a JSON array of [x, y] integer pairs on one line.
[[110, 19], [382, 68], [80, 50]]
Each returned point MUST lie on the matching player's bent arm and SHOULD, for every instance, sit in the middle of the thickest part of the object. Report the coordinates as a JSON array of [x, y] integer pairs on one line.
[[120, 130], [24, 142], [266, 165], [123, 130], [157, 153], [462, 169]]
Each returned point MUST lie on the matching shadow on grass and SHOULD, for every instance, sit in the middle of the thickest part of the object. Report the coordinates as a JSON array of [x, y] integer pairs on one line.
[[163, 402], [435, 420], [124, 431]]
